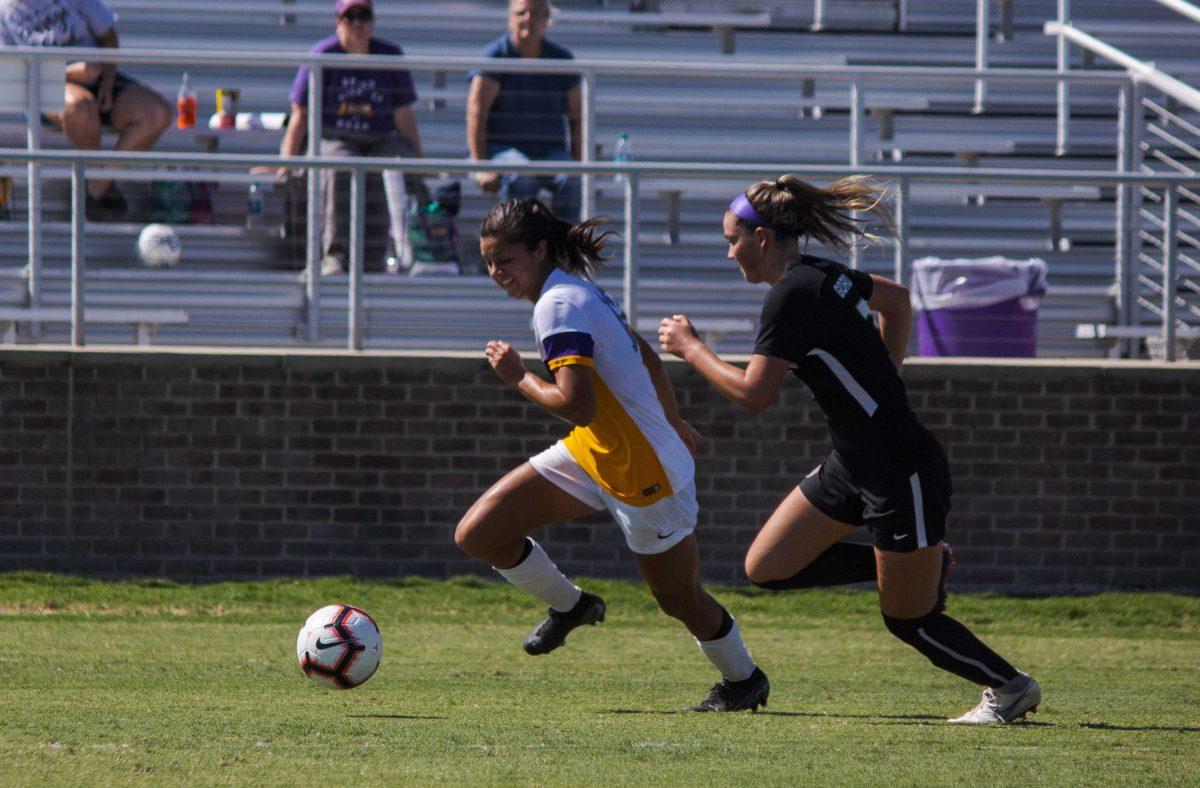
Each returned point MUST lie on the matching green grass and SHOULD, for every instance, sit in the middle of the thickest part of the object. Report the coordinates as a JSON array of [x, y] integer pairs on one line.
[[154, 682]]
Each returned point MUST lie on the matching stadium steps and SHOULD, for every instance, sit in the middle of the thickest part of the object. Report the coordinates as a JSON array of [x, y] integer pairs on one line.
[[1015, 114]]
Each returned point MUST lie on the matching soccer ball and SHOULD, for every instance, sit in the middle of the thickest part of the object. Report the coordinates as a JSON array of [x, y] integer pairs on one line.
[[339, 646], [158, 246]]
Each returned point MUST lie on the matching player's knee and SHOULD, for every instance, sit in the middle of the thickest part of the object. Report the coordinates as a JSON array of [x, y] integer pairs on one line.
[[157, 114], [676, 604], [761, 573], [81, 111], [470, 537], [755, 570], [906, 629]]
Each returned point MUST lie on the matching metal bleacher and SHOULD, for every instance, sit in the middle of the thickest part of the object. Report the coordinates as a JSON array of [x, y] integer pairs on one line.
[[243, 287]]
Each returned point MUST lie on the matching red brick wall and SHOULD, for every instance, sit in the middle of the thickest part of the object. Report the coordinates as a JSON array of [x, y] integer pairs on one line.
[[1067, 476]]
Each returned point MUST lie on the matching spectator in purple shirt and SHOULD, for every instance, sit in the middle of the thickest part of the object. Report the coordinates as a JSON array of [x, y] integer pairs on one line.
[[364, 112]]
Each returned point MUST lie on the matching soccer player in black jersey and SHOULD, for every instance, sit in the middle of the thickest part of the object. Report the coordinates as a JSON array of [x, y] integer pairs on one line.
[[887, 471]]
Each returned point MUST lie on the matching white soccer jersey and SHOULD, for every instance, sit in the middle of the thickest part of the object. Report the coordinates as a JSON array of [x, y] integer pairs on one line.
[[629, 449]]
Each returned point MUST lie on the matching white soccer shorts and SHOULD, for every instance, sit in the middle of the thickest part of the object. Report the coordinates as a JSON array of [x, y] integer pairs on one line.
[[649, 530]]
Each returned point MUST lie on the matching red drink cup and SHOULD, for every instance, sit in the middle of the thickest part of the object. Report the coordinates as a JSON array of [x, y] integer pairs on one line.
[[186, 105]]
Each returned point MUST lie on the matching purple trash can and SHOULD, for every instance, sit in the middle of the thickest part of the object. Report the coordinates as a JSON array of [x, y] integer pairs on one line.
[[985, 307]]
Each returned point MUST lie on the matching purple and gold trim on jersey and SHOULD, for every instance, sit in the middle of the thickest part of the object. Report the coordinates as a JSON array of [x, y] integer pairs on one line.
[[567, 361], [616, 454], [568, 347]]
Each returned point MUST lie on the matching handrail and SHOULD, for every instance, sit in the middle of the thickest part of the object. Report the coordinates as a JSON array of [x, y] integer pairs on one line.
[[638, 168], [1139, 70], [599, 66], [1181, 7], [632, 172], [1141, 73]]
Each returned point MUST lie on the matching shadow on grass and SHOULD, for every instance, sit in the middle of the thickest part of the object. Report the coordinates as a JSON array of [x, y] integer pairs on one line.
[[902, 717], [1104, 726], [395, 717]]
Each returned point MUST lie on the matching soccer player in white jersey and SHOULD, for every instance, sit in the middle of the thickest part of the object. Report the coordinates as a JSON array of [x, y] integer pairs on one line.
[[887, 471], [629, 452]]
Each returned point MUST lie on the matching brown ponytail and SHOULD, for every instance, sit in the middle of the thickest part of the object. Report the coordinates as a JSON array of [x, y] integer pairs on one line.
[[576, 248], [793, 207]]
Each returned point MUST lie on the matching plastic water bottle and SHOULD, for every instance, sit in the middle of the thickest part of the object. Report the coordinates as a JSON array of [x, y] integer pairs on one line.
[[254, 206], [622, 153]]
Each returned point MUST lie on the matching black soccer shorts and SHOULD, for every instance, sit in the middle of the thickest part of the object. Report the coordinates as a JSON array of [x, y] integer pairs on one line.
[[905, 511]]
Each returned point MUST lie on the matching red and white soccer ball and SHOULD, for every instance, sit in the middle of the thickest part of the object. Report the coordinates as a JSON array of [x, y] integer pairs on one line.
[[339, 646]]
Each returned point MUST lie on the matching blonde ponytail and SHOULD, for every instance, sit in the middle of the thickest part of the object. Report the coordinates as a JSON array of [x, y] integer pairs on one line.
[[791, 206]]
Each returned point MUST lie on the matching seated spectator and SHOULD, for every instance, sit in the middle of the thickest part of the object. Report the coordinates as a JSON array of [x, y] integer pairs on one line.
[[98, 96], [521, 116], [364, 112]]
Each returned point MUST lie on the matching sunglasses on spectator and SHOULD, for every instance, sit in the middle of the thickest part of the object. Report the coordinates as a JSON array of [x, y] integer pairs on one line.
[[358, 15]]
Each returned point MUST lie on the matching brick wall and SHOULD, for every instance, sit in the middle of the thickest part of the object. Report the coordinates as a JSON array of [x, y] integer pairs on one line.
[[256, 464]]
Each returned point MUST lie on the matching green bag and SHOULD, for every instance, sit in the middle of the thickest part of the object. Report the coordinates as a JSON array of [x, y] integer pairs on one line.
[[432, 233], [172, 202]]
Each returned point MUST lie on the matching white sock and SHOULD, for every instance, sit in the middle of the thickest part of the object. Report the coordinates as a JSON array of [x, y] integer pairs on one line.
[[729, 654], [538, 576]]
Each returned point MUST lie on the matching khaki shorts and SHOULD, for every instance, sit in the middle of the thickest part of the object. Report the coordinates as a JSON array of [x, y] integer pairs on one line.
[[649, 530]]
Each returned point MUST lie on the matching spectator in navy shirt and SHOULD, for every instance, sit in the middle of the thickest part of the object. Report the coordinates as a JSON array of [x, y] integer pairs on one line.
[[525, 116], [364, 112]]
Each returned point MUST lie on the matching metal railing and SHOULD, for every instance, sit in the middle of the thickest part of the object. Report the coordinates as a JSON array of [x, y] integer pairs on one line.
[[854, 77], [901, 177], [1146, 280]]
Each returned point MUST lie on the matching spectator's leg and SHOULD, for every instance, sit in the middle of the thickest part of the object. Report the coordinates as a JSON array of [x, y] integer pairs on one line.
[[335, 196], [81, 124], [566, 190], [512, 184], [395, 189], [140, 116], [377, 223]]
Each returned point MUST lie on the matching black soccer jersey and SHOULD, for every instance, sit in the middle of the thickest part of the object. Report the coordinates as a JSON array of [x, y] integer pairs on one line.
[[816, 317]]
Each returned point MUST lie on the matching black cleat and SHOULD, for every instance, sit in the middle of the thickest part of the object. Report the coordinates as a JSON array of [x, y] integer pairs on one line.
[[553, 631], [749, 693], [948, 563], [108, 207]]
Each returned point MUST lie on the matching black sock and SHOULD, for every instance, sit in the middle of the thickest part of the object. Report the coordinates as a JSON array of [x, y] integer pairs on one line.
[[844, 562], [951, 646], [725, 628], [524, 553]]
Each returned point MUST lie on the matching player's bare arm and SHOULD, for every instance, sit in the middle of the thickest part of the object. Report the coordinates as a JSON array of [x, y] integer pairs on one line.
[[571, 396], [479, 103], [753, 388], [666, 395], [890, 300]]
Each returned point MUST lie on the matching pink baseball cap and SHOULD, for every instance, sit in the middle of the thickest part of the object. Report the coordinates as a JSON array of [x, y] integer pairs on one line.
[[345, 5]]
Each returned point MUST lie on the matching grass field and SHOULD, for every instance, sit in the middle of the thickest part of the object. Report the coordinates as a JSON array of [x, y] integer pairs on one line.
[[153, 682]]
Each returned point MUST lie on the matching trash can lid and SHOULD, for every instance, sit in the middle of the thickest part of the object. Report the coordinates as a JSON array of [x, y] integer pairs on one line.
[[962, 282]]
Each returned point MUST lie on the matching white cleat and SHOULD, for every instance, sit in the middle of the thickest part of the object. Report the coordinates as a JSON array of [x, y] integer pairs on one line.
[[998, 708]]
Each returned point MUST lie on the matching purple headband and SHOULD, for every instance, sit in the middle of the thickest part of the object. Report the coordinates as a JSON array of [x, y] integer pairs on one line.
[[741, 207]]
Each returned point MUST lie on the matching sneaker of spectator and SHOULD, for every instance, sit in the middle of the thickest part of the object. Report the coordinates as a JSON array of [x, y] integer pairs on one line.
[[110, 206], [334, 262]]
